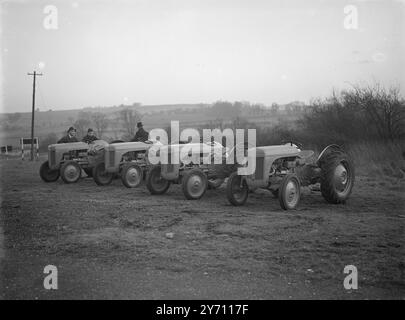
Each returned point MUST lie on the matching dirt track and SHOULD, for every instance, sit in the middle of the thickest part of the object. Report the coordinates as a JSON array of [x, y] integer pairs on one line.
[[110, 242]]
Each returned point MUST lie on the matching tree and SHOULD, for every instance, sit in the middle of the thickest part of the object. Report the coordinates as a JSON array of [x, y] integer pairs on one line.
[[82, 125], [382, 108], [274, 108], [358, 114], [226, 110], [100, 123], [128, 119]]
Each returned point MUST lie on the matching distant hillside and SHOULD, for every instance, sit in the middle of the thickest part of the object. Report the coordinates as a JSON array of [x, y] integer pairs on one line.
[[16, 125]]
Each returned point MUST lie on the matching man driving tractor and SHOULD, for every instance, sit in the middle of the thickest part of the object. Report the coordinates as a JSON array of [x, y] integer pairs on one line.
[[141, 135], [90, 136], [70, 137]]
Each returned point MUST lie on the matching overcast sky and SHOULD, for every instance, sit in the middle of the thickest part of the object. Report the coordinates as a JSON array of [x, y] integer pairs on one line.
[[192, 51]]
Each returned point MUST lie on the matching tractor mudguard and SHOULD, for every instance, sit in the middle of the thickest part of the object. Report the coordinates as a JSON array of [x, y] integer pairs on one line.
[[325, 150]]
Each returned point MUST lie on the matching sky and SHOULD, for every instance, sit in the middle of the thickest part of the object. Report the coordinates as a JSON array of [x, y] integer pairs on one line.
[[104, 53]]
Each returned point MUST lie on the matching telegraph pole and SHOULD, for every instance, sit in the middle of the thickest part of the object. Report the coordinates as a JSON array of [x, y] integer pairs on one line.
[[35, 74]]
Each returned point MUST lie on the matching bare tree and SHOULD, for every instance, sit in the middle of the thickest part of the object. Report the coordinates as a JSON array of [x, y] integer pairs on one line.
[[82, 125], [100, 123], [382, 108], [128, 119], [83, 122], [368, 113], [274, 108]]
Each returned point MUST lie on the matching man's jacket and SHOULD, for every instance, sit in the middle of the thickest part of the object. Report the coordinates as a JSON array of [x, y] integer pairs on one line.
[[89, 139], [68, 139], [141, 135]]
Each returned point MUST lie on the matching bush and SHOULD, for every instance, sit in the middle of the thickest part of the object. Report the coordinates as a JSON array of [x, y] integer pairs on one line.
[[357, 115]]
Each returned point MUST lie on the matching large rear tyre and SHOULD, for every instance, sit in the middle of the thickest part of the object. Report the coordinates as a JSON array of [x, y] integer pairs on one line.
[[70, 171], [194, 184], [131, 175], [155, 183], [101, 176], [47, 174], [237, 190], [337, 176], [289, 192]]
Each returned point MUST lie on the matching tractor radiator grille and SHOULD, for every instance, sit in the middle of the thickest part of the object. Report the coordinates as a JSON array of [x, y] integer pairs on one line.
[[170, 167], [259, 168]]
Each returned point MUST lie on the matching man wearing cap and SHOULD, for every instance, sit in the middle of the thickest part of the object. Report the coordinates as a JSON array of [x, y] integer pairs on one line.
[[141, 135], [70, 137], [90, 136]]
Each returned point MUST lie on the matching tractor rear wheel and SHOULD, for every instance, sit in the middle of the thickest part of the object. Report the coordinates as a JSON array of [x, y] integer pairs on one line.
[[337, 176], [131, 175], [289, 192], [101, 176], [194, 184], [47, 174], [154, 181], [70, 171], [237, 190]]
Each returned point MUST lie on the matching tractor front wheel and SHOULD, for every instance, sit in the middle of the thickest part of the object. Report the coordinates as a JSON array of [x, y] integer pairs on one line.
[[194, 184], [154, 181], [47, 174], [289, 192], [237, 190], [101, 176], [70, 171], [131, 175]]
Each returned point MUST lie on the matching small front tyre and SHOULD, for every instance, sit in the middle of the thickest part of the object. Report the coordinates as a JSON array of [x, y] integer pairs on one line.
[[70, 171], [194, 184], [289, 192], [131, 175]]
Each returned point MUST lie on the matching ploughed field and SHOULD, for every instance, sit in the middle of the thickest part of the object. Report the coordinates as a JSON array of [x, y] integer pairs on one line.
[[115, 242]]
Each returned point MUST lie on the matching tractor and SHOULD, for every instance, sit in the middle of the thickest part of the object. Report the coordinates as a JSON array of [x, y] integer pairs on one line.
[[68, 159], [283, 169], [196, 172], [127, 160]]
